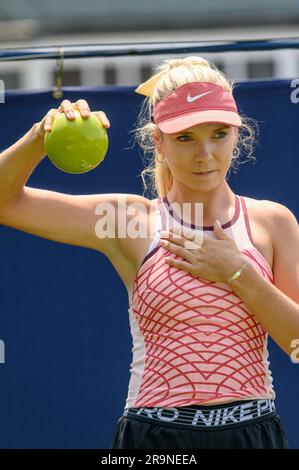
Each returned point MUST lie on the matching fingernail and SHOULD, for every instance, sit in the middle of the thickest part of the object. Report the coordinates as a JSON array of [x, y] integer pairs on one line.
[[70, 114], [85, 112]]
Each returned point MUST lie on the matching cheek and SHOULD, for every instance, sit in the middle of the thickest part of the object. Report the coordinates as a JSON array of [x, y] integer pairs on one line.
[[176, 161], [175, 165], [225, 152], [179, 163]]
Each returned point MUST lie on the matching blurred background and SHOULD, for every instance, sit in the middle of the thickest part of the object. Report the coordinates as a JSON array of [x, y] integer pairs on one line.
[[61, 22], [63, 309]]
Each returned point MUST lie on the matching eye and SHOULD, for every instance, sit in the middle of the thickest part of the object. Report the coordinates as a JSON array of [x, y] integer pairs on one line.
[[184, 138], [223, 134]]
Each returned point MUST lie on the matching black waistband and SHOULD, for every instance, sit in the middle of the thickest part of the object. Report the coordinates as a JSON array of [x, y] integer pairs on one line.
[[200, 416]]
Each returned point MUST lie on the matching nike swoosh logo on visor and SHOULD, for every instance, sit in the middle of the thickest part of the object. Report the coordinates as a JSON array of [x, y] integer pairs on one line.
[[190, 99]]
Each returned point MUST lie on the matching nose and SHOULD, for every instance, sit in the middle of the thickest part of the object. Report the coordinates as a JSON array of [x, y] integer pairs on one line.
[[203, 152]]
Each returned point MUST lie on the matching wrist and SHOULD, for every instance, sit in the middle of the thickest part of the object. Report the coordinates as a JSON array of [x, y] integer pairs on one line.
[[238, 269], [36, 137]]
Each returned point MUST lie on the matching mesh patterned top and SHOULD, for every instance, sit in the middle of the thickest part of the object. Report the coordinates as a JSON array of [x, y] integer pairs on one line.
[[195, 341]]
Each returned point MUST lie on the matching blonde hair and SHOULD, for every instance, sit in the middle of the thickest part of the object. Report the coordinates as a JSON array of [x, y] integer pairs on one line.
[[156, 176]]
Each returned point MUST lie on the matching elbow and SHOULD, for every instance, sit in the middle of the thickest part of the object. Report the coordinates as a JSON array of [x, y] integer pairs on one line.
[[4, 211], [293, 350], [7, 206], [2, 216]]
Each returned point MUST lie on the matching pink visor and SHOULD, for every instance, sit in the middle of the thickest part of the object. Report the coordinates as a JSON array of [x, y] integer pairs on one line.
[[196, 103]]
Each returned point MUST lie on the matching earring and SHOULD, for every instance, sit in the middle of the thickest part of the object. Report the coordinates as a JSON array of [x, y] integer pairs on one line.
[[163, 161]]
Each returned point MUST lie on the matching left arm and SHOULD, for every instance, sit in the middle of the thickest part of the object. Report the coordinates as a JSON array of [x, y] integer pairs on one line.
[[276, 305]]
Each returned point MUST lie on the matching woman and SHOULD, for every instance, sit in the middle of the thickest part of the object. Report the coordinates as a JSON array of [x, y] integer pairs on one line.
[[202, 300]]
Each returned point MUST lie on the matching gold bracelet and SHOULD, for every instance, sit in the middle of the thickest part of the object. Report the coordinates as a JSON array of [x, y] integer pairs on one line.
[[237, 273]]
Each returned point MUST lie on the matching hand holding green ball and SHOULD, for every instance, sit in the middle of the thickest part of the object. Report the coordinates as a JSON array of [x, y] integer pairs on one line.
[[78, 145]]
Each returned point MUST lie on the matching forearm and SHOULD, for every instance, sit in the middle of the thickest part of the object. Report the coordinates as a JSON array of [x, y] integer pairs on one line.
[[278, 314], [17, 163]]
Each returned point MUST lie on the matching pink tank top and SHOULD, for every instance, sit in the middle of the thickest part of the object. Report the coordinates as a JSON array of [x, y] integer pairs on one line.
[[195, 341]]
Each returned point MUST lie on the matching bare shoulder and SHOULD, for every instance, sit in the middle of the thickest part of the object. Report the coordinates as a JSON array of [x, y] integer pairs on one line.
[[276, 233], [134, 220], [135, 216], [282, 223], [131, 198], [134, 206], [269, 212]]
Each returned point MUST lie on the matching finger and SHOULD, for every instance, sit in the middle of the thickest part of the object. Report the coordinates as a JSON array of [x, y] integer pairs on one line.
[[178, 233], [48, 120], [190, 245], [179, 239], [83, 108], [177, 249], [184, 232], [188, 267], [103, 118], [175, 239], [67, 108]]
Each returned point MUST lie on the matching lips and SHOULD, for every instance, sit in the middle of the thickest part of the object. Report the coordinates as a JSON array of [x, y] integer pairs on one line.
[[203, 172]]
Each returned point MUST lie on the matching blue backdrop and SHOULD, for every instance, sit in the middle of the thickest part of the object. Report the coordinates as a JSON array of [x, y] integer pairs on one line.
[[63, 309]]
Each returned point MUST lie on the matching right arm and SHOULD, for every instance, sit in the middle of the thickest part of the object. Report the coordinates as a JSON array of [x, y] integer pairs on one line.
[[56, 216]]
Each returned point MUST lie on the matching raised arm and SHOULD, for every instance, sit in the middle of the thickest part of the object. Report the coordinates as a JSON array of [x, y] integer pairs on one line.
[[64, 218]]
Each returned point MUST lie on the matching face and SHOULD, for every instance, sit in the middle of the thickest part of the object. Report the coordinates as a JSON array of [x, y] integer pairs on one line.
[[201, 148]]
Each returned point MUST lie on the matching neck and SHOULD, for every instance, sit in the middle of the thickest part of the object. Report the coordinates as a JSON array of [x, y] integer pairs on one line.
[[218, 203]]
